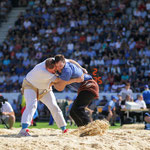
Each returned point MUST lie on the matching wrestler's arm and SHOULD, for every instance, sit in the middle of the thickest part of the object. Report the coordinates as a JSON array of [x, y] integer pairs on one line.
[[60, 84], [76, 63]]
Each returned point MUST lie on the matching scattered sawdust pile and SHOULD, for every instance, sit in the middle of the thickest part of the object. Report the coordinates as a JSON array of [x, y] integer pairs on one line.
[[98, 127]]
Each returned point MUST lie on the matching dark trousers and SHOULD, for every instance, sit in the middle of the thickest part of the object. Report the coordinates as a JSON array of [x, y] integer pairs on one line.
[[77, 112]]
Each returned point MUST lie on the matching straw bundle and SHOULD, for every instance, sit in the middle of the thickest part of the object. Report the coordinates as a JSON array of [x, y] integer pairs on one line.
[[98, 127]]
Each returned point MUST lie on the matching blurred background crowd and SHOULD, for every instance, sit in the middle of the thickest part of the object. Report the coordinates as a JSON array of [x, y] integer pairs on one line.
[[112, 36]]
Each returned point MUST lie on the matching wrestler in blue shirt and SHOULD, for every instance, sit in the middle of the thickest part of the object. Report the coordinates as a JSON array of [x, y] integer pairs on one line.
[[87, 88], [71, 71]]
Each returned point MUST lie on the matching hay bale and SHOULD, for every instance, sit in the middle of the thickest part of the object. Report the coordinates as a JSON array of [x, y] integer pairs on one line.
[[133, 126], [98, 127]]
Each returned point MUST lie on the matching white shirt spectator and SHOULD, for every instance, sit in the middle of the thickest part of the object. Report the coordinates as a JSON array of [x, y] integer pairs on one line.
[[141, 103], [148, 6], [115, 70], [27, 23], [125, 92], [34, 38], [132, 69], [89, 38], [73, 24], [136, 13], [60, 30], [118, 44], [101, 62], [70, 46], [6, 107]]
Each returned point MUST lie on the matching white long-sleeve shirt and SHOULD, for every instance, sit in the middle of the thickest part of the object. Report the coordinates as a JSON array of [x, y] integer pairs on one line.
[[141, 103], [125, 92], [40, 77]]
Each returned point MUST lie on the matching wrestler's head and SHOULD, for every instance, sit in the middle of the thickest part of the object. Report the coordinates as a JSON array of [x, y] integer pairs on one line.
[[59, 62], [50, 65]]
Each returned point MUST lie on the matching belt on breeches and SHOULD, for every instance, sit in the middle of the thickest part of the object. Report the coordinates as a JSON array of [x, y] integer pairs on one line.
[[27, 85]]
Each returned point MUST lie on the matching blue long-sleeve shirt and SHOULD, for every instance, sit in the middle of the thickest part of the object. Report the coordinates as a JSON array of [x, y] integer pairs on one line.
[[71, 71], [146, 96]]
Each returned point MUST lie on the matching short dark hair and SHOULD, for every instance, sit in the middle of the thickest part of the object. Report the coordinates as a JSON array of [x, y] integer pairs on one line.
[[59, 57], [50, 63], [127, 83]]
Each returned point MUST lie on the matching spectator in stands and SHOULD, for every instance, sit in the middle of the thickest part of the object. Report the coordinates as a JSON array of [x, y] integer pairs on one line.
[[146, 96], [142, 105], [126, 91], [7, 113], [109, 110], [141, 102], [126, 41]]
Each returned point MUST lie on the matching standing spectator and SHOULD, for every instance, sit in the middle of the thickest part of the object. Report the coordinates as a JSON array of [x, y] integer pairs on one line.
[[146, 96], [126, 91], [15, 106]]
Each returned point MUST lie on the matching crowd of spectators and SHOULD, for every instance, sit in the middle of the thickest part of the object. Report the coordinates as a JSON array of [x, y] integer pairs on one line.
[[5, 8], [110, 35]]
